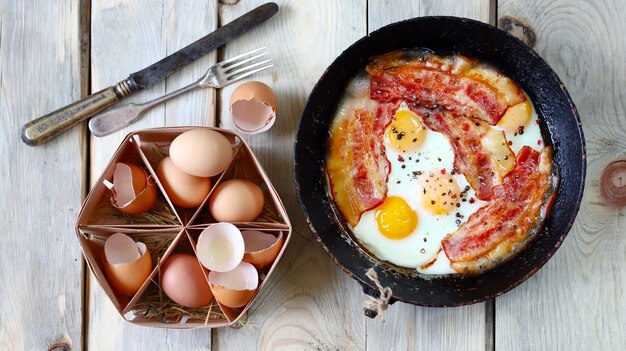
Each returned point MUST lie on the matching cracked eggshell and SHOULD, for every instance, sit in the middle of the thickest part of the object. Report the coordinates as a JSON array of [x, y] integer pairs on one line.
[[220, 247], [236, 287], [253, 107], [126, 264], [133, 191], [261, 248]]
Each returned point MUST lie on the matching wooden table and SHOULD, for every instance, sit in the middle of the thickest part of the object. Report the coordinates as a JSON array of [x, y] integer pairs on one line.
[[54, 52]]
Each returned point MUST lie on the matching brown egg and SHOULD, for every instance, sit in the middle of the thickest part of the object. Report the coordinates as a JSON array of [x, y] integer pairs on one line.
[[133, 191], [183, 281], [236, 200], [183, 189], [201, 152], [236, 287], [253, 107], [261, 248], [127, 265]]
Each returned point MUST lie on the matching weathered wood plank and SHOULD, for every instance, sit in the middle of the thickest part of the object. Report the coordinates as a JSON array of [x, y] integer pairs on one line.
[[576, 302], [126, 36], [310, 304], [41, 187], [408, 327]]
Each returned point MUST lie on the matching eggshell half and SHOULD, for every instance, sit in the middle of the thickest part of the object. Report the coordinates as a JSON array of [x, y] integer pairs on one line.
[[183, 281], [236, 200], [261, 248], [133, 191], [232, 298], [126, 264], [235, 288], [220, 247], [253, 107], [201, 152], [183, 189]]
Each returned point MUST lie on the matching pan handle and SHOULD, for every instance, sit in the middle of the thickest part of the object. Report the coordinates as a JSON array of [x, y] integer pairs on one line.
[[367, 290]]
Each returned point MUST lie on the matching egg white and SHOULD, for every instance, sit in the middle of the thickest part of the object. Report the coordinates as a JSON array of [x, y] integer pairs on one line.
[[423, 244], [422, 248]]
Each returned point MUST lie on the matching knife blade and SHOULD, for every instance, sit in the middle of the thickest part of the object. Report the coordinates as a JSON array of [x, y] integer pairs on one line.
[[45, 128]]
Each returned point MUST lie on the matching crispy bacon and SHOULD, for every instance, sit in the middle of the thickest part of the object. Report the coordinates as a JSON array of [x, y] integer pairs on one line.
[[356, 163], [470, 157], [502, 228], [432, 81]]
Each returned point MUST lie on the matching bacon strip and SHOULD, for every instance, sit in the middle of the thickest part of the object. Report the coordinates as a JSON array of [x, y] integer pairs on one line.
[[502, 228], [470, 157], [432, 81], [356, 163]]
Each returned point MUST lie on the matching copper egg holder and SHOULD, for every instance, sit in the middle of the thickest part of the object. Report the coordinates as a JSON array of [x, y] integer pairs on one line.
[[169, 229]]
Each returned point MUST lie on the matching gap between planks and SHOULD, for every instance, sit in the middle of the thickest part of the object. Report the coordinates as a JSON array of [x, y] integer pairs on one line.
[[85, 90]]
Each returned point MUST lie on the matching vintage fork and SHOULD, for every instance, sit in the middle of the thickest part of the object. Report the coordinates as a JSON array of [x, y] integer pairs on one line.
[[218, 76]]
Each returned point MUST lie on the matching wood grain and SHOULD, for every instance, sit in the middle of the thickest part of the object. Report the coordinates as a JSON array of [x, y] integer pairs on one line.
[[576, 302], [311, 304], [125, 37], [409, 327], [41, 187]]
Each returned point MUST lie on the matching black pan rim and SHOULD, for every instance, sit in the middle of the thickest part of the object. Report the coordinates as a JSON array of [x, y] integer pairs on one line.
[[579, 190]]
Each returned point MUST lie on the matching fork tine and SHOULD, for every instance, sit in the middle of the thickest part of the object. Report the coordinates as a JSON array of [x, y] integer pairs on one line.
[[237, 64], [248, 67], [232, 77], [238, 57]]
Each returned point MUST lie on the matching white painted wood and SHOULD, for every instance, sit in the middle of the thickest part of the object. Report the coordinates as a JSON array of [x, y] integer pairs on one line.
[[409, 327], [310, 304], [576, 302], [41, 187], [125, 37]]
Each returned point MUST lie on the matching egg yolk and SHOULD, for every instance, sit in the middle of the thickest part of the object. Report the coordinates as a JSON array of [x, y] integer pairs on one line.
[[440, 192], [516, 116], [406, 132], [395, 218]]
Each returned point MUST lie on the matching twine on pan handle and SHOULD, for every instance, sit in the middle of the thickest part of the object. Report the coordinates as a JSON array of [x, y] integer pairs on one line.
[[376, 306]]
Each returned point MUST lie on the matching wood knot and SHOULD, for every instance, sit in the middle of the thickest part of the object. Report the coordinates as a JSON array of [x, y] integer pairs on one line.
[[60, 345], [520, 28], [613, 183]]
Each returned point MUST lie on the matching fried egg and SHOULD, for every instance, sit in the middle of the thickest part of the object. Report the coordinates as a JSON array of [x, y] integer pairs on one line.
[[426, 199]]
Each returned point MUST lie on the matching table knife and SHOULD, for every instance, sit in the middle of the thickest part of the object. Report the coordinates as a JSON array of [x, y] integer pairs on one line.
[[42, 129]]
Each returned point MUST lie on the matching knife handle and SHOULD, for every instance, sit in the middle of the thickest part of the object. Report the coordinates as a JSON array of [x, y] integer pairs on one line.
[[42, 129]]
